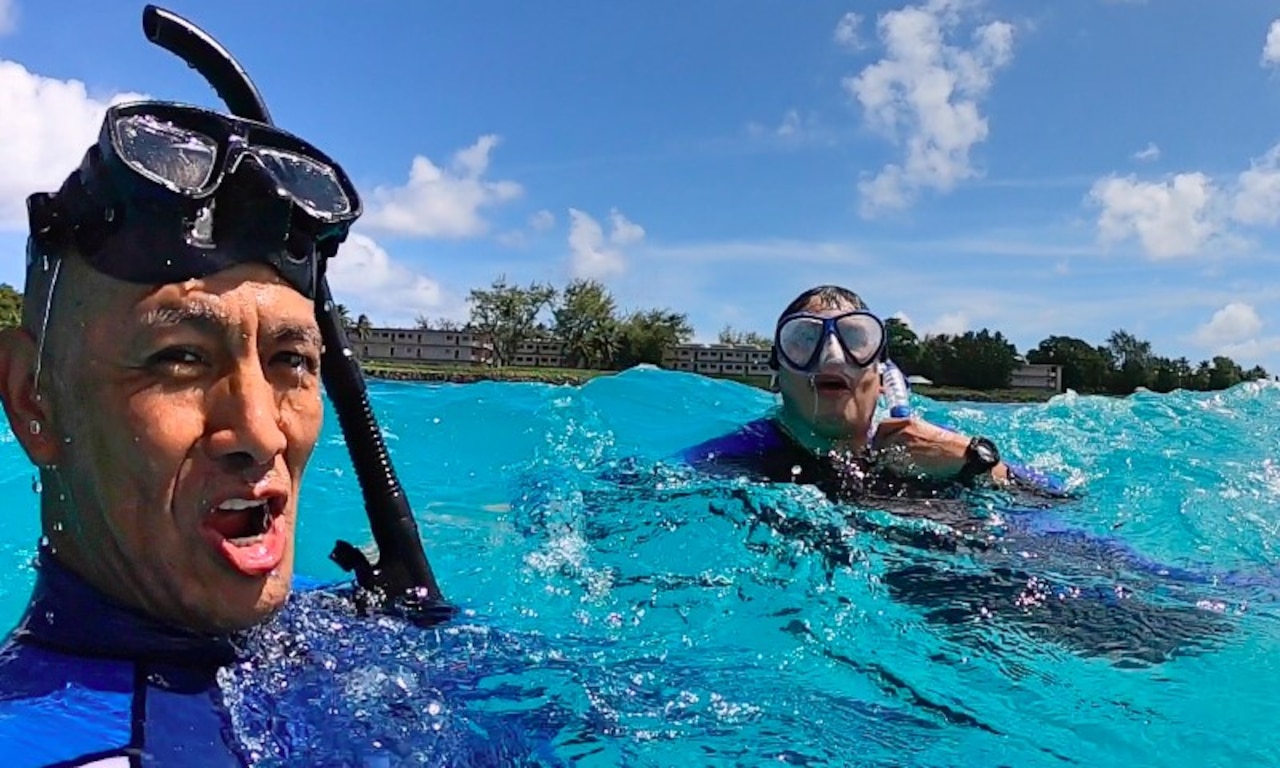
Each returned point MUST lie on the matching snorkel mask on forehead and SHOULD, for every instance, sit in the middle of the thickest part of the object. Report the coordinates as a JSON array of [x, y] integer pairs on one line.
[[172, 192], [800, 338]]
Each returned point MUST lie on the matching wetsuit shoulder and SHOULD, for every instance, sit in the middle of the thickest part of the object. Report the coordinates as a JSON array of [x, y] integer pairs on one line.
[[742, 450], [58, 709], [63, 710]]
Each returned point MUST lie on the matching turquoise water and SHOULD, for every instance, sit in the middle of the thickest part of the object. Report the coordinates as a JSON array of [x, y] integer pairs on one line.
[[640, 616]]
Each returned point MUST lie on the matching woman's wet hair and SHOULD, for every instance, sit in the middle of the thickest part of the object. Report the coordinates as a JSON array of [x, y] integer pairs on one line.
[[825, 297]]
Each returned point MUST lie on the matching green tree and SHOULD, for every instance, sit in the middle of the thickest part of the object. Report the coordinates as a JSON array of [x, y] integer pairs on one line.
[[10, 306], [743, 338], [585, 324], [424, 323], [1132, 362], [1085, 368], [1225, 373], [363, 327], [344, 315], [1256, 373], [643, 336], [937, 359], [508, 314], [983, 360], [1168, 375], [904, 345]]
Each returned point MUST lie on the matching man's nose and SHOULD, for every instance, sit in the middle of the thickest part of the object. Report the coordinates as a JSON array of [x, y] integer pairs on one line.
[[831, 351], [246, 419]]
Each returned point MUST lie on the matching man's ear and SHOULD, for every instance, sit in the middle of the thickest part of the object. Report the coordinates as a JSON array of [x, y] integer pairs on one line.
[[28, 413]]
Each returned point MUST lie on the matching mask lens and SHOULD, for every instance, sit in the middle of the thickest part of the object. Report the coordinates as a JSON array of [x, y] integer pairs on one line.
[[862, 334], [798, 338], [313, 185], [178, 158]]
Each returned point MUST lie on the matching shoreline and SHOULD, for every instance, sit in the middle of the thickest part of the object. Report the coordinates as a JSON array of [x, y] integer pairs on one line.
[[574, 377]]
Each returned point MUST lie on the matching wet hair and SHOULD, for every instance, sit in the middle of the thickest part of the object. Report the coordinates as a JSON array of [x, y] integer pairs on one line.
[[825, 297]]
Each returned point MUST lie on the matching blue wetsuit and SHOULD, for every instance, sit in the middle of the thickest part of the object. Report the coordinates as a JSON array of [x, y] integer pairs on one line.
[[84, 681], [762, 450]]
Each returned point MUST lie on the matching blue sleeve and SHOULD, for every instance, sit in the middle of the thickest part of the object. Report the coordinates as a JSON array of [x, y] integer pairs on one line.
[[59, 710], [731, 450]]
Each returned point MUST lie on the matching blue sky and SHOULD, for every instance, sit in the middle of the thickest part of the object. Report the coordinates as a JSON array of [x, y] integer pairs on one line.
[[1031, 167]]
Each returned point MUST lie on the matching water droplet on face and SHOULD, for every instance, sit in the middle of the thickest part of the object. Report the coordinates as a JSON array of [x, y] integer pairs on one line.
[[36, 486], [35, 427], [109, 214], [57, 526], [44, 541], [48, 617], [328, 306]]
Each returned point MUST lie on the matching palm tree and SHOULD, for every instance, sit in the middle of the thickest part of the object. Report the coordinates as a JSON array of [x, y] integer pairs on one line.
[[363, 327]]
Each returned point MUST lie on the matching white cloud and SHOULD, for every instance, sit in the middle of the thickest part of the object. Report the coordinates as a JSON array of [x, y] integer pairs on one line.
[[1257, 198], [1254, 352], [906, 320], [8, 16], [924, 96], [1179, 215], [846, 33], [47, 125], [951, 323], [1236, 331], [794, 129], [440, 202], [625, 231], [1235, 323], [365, 277], [542, 221], [1271, 49], [590, 256], [1170, 218], [1148, 153]]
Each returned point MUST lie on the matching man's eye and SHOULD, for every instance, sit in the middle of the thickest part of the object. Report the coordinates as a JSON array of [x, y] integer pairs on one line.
[[177, 357], [299, 360]]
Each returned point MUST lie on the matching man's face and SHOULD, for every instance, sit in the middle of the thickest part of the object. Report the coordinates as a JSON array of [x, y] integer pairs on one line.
[[194, 410], [838, 398]]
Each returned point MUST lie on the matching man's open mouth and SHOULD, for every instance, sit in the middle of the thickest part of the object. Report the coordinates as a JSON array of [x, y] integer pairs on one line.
[[830, 382], [243, 521], [249, 533]]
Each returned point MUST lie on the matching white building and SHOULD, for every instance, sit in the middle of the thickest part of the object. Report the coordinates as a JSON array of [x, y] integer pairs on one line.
[[718, 359], [385, 345]]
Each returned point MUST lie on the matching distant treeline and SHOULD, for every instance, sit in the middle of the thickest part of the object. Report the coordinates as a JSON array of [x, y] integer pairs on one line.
[[985, 360], [597, 334], [584, 317]]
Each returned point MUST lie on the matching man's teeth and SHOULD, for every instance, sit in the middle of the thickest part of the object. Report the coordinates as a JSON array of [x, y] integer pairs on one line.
[[239, 504]]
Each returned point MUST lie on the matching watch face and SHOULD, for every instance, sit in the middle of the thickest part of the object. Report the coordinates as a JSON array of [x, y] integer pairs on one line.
[[986, 451]]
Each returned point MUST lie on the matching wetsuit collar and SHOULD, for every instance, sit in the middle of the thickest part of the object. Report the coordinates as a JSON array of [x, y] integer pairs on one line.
[[70, 616], [798, 432]]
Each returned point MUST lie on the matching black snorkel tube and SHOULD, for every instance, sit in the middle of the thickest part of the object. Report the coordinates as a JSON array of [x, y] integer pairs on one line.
[[401, 578]]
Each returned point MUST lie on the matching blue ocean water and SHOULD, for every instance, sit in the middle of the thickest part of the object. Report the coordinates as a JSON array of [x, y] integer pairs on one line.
[[621, 612]]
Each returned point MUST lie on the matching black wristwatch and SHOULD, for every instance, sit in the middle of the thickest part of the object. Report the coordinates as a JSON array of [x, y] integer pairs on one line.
[[979, 458]]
